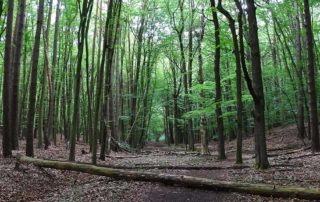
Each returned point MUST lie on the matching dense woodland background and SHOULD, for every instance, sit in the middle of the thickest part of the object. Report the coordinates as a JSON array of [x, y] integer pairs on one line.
[[116, 74], [112, 76]]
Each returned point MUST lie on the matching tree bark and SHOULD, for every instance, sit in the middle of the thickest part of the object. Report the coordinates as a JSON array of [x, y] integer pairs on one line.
[[311, 80], [100, 76], [202, 128], [18, 38], [41, 133], [133, 139], [238, 78], [299, 73], [190, 63], [218, 98], [33, 85], [84, 25], [51, 79], [6, 142], [257, 84]]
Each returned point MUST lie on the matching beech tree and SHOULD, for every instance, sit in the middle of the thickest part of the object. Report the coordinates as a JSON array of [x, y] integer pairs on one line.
[[18, 39], [218, 98], [311, 80], [7, 127], [33, 84], [238, 77], [85, 13], [257, 93]]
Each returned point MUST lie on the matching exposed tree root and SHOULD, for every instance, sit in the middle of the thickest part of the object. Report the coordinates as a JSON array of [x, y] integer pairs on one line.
[[187, 181]]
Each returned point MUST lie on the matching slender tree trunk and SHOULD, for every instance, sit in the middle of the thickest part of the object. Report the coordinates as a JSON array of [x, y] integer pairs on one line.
[[202, 128], [311, 80], [16, 72], [41, 129], [257, 84], [90, 74], [238, 78], [99, 91], [117, 102], [133, 115], [1, 7], [25, 84], [33, 85], [6, 142], [190, 63], [84, 25], [48, 75], [176, 110], [218, 99], [146, 93], [180, 31], [53, 68], [299, 72], [114, 26], [243, 60], [121, 88]]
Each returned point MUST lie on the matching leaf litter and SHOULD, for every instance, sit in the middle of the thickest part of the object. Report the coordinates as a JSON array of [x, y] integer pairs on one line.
[[291, 166]]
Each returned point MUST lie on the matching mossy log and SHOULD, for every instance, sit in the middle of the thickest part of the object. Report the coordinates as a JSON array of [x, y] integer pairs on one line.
[[182, 180]]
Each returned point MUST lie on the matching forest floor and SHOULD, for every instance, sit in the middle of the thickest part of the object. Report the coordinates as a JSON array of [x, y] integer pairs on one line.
[[291, 165]]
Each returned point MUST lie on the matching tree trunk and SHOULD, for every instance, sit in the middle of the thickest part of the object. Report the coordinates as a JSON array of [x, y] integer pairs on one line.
[[182, 180], [176, 110], [6, 142], [299, 73], [51, 79], [238, 78], [190, 63], [33, 85], [202, 128], [257, 84], [218, 98], [42, 129], [311, 80], [107, 56], [16, 72], [84, 25], [133, 116], [1, 8]]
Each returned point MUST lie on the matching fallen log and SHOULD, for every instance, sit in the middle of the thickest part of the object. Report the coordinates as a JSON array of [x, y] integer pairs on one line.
[[174, 167], [182, 180], [188, 167]]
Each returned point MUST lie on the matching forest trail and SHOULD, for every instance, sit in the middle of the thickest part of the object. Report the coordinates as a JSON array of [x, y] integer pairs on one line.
[[30, 183]]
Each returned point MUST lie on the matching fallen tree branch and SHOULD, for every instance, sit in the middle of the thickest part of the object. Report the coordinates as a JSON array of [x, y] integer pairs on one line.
[[288, 152], [303, 156], [182, 180], [154, 155]]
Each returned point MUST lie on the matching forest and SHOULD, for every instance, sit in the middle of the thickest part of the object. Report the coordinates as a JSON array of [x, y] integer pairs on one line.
[[159, 100]]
